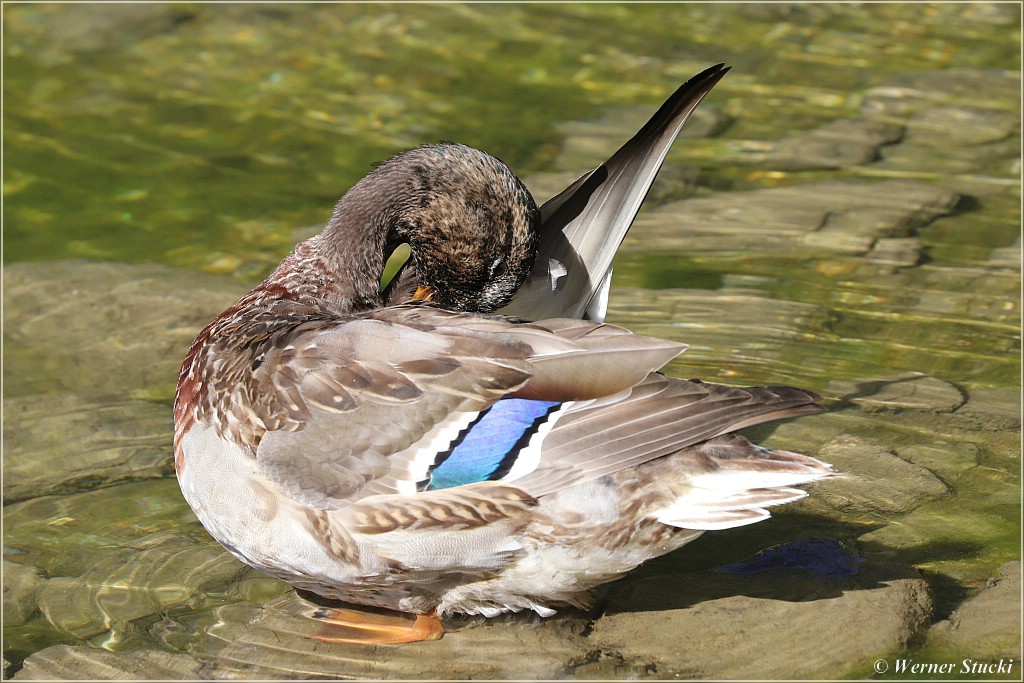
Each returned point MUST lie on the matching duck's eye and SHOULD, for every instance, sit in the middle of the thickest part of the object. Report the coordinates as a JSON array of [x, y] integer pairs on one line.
[[498, 268]]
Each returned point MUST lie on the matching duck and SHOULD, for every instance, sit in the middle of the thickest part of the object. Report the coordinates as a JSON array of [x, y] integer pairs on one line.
[[472, 438]]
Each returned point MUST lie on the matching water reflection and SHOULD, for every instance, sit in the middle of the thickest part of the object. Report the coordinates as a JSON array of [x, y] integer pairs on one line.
[[847, 211]]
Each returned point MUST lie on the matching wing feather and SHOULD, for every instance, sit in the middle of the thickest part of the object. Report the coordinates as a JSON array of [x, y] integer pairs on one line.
[[659, 417], [356, 407], [369, 403]]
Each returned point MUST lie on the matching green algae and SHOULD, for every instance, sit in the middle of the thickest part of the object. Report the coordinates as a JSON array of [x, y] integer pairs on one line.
[[202, 136]]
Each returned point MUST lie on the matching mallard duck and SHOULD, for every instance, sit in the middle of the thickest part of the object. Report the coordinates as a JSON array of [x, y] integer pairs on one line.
[[410, 449]]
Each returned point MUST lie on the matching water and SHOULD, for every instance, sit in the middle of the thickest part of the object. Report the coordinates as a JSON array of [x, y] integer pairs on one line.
[[852, 215]]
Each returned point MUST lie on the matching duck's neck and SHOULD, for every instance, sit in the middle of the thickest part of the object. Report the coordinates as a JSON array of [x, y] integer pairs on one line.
[[340, 268]]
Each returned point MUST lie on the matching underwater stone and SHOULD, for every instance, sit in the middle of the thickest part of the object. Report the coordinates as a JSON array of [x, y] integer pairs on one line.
[[63, 443], [906, 93], [838, 242], [836, 216], [874, 480], [700, 307], [21, 587], [909, 157], [1007, 257], [988, 624], [945, 459], [105, 327], [892, 208], [838, 144], [757, 211], [66, 662], [905, 391], [243, 634], [947, 126], [945, 532], [996, 408], [896, 251], [728, 626]]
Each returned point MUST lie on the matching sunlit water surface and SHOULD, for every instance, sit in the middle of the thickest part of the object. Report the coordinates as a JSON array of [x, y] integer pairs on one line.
[[843, 215]]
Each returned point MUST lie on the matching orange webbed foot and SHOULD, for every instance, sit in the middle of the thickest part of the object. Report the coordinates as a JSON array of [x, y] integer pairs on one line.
[[378, 627]]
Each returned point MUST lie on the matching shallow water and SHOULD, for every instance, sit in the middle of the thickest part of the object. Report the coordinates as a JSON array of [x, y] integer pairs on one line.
[[843, 212]]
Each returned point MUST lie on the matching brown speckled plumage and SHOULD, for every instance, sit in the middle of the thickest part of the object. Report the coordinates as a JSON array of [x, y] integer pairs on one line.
[[467, 217]]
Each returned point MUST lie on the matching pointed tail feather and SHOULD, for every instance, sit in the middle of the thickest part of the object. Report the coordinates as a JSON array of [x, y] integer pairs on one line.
[[583, 226]]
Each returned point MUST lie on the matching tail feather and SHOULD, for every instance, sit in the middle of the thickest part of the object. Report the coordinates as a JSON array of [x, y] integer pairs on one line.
[[583, 226], [713, 520], [728, 482]]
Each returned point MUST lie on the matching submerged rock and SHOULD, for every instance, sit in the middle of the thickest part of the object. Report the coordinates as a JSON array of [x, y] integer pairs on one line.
[[944, 458], [104, 328], [834, 216], [897, 251], [66, 443], [996, 408], [976, 143], [905, 391], [838, 144], [873, 479], [905, 93], [66, 662], [946, 535], [21, 586], [1007, 257], [987, 625], [961, 125], [735, 626]]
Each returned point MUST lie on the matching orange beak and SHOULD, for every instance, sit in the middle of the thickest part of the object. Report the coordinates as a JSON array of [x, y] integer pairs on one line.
[[423, 293]]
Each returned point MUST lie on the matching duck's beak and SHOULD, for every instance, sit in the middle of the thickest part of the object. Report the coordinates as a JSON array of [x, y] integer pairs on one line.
[[423, 293]]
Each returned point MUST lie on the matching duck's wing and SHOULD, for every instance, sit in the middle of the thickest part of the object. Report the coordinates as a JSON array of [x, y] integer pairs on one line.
[[658, 417], [583, 226], [376, 404], [411, 403]]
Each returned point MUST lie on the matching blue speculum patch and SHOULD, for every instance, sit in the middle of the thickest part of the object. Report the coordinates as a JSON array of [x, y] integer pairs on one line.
[[488, 448]]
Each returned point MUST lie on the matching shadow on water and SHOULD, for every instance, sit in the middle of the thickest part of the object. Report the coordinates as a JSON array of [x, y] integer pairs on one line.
[[947, 593], [694, 574]]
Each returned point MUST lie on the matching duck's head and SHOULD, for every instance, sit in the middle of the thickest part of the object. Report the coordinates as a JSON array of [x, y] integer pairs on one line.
[[471, 224]]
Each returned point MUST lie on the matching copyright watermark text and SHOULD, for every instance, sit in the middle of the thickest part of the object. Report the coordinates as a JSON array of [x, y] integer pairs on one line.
[[964, 666]]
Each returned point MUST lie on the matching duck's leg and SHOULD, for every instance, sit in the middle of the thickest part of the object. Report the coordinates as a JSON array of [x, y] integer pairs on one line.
[[377, 628]]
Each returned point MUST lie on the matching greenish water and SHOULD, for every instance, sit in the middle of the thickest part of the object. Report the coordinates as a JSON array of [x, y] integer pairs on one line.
[[214, 131], [206, 137]]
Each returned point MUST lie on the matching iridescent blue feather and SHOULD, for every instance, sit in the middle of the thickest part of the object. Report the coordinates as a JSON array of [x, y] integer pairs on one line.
[[489, 446]]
